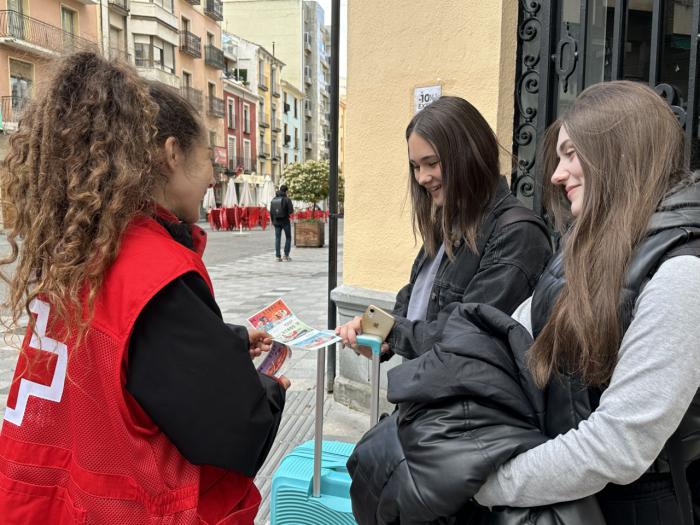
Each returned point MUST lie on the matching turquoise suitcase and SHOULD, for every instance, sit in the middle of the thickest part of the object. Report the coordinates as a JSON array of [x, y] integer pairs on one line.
[[311, 486]]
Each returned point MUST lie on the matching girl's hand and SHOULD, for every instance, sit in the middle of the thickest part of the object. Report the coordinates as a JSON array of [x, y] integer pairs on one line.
[[284, 382], [349, 331], [259, 342]]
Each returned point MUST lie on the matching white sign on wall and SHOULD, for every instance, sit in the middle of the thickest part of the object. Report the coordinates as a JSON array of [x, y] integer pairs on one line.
[[422, 96]]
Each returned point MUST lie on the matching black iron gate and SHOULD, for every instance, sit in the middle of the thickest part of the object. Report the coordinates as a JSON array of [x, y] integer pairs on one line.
[[567, 45]]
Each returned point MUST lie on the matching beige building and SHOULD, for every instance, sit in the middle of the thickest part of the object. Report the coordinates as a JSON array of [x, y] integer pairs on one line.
[[177, 43], [386, 63], [294, 31], [270, 111]]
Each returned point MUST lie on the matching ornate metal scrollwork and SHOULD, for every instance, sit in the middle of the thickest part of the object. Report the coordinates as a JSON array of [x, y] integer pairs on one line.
[[527, 89]]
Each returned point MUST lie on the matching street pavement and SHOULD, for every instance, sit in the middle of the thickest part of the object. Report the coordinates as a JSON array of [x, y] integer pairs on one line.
[[246, 277]]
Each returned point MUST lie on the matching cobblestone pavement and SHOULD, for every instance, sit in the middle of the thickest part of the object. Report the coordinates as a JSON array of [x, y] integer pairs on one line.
[[246, 276]]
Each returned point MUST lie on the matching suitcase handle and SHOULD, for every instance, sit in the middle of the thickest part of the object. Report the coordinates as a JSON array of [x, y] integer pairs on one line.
[[375, 344], [372, 341]]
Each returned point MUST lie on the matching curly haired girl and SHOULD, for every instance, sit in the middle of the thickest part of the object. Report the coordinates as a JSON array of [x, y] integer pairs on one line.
[[133, 402]]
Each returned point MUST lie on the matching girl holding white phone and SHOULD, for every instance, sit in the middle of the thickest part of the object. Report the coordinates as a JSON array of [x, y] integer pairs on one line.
[[480, 244]]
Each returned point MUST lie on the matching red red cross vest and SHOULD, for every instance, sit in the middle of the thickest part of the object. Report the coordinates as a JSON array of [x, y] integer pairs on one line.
[[75, 447]]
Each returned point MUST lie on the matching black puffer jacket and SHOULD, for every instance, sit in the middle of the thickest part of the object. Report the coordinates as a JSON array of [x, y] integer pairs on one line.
[[465, 407]]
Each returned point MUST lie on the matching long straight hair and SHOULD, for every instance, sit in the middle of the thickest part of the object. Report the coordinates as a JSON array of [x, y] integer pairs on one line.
[[468, 153], [630, 147]]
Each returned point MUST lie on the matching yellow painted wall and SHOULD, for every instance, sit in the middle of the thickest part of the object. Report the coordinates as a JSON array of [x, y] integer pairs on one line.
[[469, 47]]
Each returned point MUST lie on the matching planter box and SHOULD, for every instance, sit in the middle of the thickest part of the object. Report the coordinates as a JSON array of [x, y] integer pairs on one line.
[[309, 234]]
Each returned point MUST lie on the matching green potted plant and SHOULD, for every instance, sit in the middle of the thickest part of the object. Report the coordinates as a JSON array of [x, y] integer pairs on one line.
[[308, 182]]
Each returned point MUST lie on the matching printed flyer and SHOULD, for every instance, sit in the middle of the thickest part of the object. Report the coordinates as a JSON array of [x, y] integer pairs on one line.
[[285, 327]]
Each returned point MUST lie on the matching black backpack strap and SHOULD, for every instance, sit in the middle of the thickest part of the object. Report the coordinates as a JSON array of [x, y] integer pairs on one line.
[[522, 214]]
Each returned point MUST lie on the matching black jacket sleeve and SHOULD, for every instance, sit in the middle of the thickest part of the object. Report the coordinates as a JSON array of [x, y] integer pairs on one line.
[[194, 377], [512, 262]]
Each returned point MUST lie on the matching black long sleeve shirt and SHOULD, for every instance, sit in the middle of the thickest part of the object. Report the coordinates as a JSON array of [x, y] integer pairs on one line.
[[193, 375]]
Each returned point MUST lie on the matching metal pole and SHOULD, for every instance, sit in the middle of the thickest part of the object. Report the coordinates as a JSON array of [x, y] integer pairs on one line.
[[619, 38], [333, 185], [374, 409], [657, 34], [318, 431], [690, 119]]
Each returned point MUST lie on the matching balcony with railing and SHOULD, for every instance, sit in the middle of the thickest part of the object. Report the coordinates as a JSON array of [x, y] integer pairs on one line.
[[29, 34], [162, 11], [263, 120], [214, 9], [214, 57], [12, 109], [194, 96], [276, 154], [190, 44], [122, 5], [276, 125], [157, 70], [264, 82], [262, 151], [216, 107]]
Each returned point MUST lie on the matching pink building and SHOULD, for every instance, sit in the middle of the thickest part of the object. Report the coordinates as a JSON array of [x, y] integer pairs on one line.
[[240, 127]]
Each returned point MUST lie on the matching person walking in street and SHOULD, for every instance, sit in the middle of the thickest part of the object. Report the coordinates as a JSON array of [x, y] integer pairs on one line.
[[480, 244], [133, 402], [281, 209]]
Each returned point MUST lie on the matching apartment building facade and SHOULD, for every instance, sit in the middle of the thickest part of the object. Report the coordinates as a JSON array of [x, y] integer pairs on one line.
[[316, 82], [268, 73], [240, 105], [292, 124], [293, 28], [32, 33]]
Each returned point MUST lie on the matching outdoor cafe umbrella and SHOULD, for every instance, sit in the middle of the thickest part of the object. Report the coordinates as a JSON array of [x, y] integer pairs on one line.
[[247, 195], [230, 198], [209, 202], [267, 193]]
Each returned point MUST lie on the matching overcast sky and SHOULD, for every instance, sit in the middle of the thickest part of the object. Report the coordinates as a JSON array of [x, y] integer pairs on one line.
[[327, 4]]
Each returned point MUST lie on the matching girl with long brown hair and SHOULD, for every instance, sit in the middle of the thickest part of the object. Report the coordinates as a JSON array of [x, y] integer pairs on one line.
[[480, 244], [616, 318], [133, 402]]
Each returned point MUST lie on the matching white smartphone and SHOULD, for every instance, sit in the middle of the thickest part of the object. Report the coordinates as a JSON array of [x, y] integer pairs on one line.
[[376, 321]]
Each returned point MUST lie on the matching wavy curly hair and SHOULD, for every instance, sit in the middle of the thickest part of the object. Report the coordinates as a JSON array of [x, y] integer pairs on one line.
[[82, 165]]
